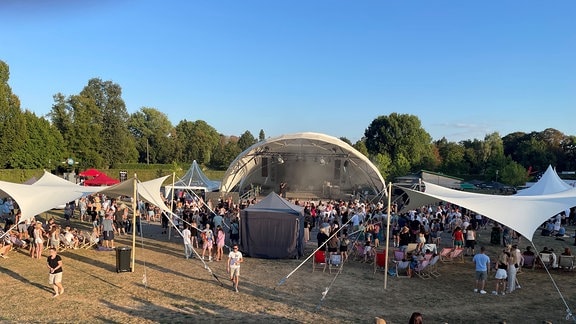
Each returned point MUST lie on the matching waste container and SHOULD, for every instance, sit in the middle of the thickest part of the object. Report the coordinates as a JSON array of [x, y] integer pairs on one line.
[[123, 254]]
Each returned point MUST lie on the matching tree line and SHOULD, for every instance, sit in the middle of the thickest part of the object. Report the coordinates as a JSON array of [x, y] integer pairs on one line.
[[94, 129]]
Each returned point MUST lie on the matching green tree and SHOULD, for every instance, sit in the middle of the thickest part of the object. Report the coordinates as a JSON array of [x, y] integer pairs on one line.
[[86, 140], [42, 145], [402, 137], [154, 136], [12, 122], [225, 153], [261, 135], [117, 145], [360, 146], [451, 156], [246, 140], [199, 140], [513, 173]]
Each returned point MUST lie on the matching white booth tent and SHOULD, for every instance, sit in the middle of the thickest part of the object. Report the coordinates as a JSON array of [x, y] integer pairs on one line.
[[549, 183], [524, 214], [51, 191], [302, 160], [194, 179]]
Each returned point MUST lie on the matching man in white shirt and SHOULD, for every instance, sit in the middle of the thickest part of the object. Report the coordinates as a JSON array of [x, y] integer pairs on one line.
[[187, 236], [233, 265]]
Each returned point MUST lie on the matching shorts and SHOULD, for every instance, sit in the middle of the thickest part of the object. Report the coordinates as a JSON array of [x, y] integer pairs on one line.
[[481, 275], [234, 271], [108, 235], [343, 248], [458, 243], [207, 245], [39, 241], [332, 249], [55, 278], [470, 243], [22, 228], [501, 274]]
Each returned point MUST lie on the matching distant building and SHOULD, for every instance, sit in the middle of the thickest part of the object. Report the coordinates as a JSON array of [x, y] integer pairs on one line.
[[440, 179]]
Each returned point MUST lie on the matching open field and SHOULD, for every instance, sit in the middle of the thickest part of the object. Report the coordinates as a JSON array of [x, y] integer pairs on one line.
[[182, 291]]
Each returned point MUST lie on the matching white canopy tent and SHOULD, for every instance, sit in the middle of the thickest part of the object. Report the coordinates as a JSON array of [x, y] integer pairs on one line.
[[524, 214], [549, 183], [51, 191], [194, 179]]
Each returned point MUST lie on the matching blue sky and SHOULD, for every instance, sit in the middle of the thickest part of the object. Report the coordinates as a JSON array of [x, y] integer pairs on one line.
[[465, 68]]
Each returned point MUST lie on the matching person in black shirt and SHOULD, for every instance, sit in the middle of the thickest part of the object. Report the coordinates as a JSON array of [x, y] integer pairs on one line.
[[54, 264]]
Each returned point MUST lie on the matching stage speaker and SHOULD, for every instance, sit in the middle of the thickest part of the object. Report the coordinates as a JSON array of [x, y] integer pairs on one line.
[[337, 170], [264, 167]]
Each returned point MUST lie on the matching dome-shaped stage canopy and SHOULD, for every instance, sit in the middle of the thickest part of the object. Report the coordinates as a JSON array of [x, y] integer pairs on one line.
[[303, 165]]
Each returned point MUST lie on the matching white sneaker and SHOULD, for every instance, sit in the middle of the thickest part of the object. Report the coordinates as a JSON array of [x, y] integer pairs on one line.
[[503, 293], [475, 290], [483, 292], [494, 292], [518, 286]]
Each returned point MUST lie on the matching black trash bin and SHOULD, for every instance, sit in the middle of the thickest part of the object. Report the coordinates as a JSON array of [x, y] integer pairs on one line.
[[123, 254]]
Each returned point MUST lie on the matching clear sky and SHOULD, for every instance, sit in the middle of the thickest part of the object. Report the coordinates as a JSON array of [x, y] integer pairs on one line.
[[465, 68]]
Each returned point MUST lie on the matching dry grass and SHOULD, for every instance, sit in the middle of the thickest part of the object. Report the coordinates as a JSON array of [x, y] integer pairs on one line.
[[180, 290]]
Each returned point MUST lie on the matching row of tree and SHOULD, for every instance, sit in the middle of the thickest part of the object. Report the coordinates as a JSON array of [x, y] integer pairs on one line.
[[95, 129]]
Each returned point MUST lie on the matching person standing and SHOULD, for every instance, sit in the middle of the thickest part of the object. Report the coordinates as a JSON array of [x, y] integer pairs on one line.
[[107, 228], [54, 264], [482, 262], [187, 236], [220, 237], [233, 265], [501, 273], [207, 242]]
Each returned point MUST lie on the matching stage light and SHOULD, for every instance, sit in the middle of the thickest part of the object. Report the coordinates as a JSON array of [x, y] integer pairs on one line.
[[280, 159], [322, 161]]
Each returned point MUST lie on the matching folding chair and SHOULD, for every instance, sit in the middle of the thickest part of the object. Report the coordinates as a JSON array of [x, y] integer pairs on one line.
[[380, 261], [432, 268], [445, 255], [420, 270], [402, 266], [545, 260], [566, 262], [335, 263], [319, 260], [529, 261], [399, 255]]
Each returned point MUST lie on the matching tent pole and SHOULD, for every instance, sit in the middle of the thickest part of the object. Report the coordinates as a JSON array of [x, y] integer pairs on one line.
[[171, 206], [387, 235], [134, 211]]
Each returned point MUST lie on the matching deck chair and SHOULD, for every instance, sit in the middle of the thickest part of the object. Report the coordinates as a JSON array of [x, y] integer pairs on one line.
[[457, 255], [399, 255], [411, 247], [335, 263], [529, 261], [545, 260], [445, 254], [358, 251], [319, 260], [432, 268], [402, 269], [566, 262], [90, 242], [421, 270], [380, 261]]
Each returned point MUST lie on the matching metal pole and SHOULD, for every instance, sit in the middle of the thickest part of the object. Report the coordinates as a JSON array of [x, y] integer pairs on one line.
[[134, 211], [387, 235], [171, 207]]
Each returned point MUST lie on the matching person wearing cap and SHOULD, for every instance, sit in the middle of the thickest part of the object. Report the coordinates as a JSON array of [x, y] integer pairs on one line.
[[233, 265]]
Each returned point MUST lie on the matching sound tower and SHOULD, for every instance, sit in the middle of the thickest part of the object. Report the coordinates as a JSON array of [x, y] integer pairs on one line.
[[264, 167], [337, 171]]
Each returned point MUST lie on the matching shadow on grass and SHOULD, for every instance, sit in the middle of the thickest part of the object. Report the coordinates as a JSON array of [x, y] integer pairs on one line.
[[25, 280], [185, 310]]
